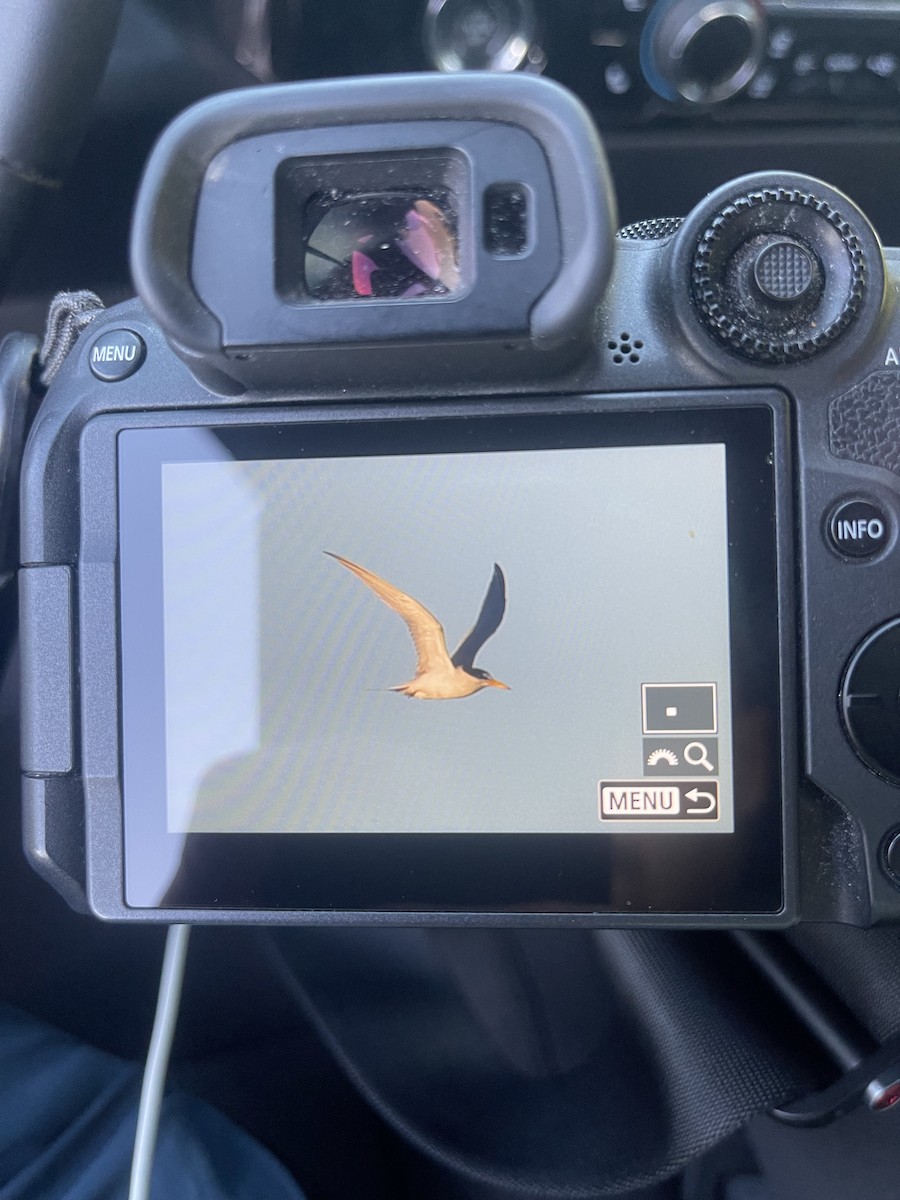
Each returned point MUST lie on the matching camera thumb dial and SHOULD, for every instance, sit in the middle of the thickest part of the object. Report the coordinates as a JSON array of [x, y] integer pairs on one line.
[[780, 270]]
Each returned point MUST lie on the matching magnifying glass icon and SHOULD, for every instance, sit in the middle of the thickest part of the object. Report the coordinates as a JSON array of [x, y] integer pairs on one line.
[[695, 754]]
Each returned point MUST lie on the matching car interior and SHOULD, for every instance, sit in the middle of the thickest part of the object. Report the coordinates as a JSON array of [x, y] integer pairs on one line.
[[730, 1030]]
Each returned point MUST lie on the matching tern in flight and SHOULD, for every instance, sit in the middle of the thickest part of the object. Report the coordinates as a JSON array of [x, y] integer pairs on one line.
[[440, 675]]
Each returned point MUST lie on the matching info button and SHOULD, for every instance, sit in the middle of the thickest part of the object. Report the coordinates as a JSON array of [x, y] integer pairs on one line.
[[858, 529]]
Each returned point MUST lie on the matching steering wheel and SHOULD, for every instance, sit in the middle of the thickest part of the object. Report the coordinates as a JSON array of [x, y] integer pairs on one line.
[[52, 56]]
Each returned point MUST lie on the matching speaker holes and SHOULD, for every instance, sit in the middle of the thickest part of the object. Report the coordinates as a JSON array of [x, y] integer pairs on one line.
[[625, 349]]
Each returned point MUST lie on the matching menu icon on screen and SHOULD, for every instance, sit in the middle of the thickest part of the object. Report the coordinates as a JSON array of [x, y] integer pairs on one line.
[[648, 800]]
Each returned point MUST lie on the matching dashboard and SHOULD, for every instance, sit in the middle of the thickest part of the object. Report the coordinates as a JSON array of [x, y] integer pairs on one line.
[[633, 62]]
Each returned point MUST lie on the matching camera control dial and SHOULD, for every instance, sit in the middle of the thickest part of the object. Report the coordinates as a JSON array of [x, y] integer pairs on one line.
[[778, 274]]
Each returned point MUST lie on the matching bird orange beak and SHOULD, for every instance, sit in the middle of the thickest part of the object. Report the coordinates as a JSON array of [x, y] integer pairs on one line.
[[497, 683]]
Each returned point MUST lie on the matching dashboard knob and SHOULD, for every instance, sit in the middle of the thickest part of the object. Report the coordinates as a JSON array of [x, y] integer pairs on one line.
[[778, 274], [703, 51], [479, 35]]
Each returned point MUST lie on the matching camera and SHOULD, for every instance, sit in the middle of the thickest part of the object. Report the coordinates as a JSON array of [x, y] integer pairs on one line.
[[420, 549]]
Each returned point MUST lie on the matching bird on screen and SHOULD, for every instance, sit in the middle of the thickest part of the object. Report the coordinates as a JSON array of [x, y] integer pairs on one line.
[[439, 674]]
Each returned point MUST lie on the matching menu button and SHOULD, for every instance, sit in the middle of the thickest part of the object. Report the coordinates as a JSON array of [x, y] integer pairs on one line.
[[116, 355]]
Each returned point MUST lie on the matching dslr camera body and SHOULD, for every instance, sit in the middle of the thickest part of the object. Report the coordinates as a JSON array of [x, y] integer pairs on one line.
[[389, 349]]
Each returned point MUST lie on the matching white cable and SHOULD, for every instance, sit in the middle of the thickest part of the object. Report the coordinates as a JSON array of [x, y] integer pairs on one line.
[[157, 1064]]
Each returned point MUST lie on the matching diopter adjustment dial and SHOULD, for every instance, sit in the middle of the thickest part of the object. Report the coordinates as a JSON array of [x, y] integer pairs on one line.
[[777, 275]]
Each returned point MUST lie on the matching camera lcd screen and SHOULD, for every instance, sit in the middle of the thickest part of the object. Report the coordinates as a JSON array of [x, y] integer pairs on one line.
[[400, 653]]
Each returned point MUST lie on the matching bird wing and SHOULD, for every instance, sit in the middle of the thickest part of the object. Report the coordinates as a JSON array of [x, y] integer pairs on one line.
[[425, 629], [492, 609]]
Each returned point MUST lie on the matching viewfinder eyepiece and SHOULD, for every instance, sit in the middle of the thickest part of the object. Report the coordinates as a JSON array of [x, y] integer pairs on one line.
[[397, 245]]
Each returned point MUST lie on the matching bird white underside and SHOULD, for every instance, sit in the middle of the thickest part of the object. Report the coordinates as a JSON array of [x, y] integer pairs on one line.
[[441, 685]]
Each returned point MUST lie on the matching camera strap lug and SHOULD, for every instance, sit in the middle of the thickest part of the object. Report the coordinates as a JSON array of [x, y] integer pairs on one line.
[[17, 362], [68, 316], [27, 367]]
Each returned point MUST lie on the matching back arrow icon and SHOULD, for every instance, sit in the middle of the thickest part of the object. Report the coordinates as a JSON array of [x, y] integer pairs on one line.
[[695, 795]]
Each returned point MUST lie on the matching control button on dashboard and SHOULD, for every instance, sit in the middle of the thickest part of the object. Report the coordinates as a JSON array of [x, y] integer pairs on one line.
[[479, 35], [870, 701], [116, 354], [703, 52], [858, 529]]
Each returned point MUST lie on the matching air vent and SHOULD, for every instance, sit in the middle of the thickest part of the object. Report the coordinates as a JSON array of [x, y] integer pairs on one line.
[[626, 350]]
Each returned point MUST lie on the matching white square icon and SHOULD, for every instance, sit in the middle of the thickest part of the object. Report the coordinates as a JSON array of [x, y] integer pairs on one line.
[[679, 708]]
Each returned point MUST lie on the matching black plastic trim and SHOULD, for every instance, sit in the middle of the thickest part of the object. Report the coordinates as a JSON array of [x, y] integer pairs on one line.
[[46, 635]]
